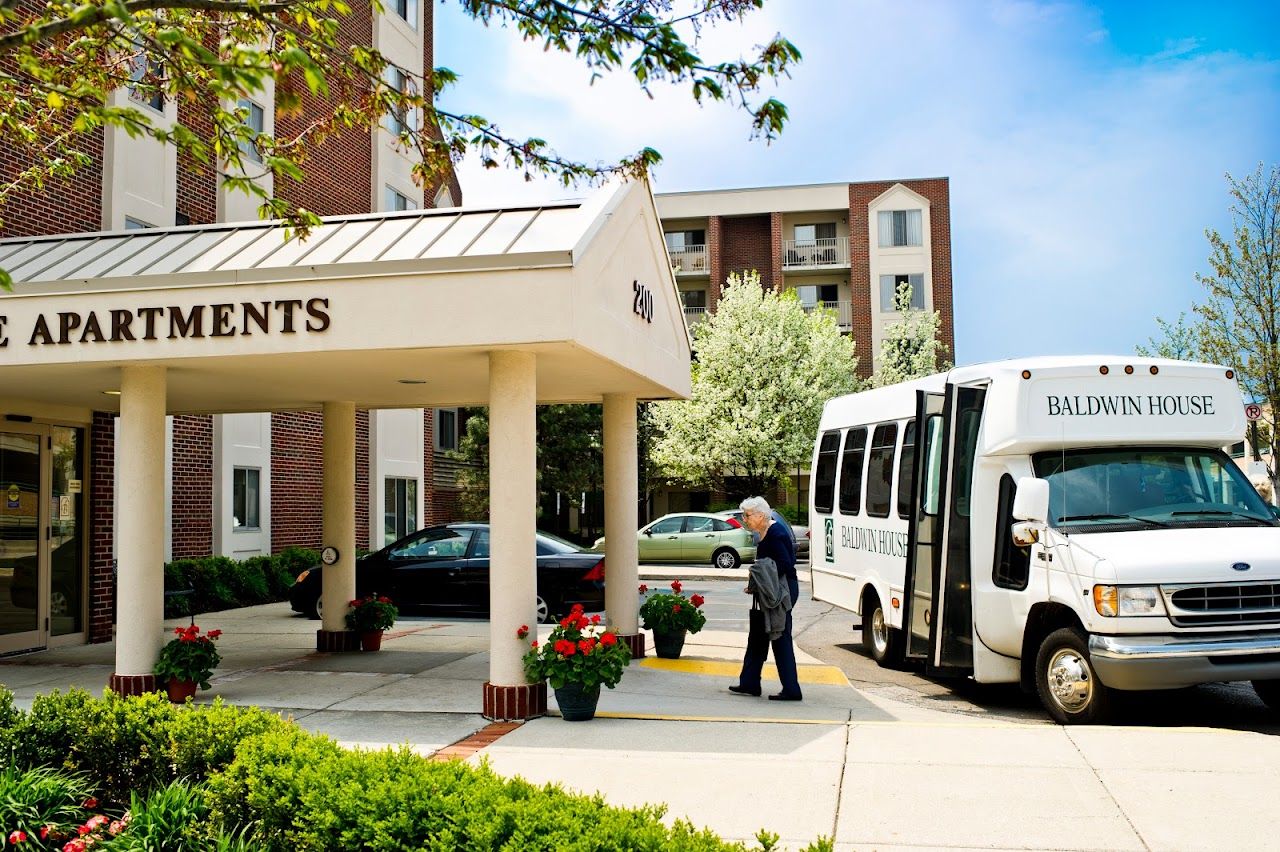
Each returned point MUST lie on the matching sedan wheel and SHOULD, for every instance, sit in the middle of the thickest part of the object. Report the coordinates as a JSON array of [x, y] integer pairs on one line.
[[543, 610], [726, 558]]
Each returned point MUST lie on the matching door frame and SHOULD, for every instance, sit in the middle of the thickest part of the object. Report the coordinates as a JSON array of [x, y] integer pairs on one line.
[[921, 556], [37, 639]]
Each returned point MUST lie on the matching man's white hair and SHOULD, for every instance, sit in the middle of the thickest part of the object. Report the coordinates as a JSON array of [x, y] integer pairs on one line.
[[756, 504]]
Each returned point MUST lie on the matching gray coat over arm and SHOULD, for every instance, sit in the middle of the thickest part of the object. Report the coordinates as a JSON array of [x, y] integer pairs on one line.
[[771, 595]]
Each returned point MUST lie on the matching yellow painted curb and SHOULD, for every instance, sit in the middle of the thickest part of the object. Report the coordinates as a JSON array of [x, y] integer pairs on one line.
[[828, 675], [764, 720]]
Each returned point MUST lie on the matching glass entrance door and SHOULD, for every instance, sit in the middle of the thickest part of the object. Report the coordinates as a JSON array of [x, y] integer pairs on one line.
[[22, 557], [66, 530]]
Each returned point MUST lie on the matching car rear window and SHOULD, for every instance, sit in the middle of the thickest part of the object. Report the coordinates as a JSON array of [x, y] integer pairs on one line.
[[550, 545]]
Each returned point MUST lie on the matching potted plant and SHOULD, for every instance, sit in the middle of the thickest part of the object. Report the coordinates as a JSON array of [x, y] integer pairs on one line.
[[188, 661], [670, 615], [578, 657], [369, 616]]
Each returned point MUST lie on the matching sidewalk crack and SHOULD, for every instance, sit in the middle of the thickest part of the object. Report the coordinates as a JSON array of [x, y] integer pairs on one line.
[[844, 766], [1094, 770]]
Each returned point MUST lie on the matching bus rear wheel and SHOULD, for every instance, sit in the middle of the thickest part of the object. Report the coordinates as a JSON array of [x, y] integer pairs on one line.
[[884, 642], [1066, 681]]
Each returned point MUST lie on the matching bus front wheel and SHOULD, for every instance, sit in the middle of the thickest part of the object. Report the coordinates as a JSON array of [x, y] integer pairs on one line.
[[1066, 681], [884, 642]]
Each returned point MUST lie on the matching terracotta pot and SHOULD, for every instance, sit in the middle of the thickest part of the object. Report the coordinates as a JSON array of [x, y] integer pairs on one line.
[[181, 690], [668, 645], [577, 704], [371, 640]]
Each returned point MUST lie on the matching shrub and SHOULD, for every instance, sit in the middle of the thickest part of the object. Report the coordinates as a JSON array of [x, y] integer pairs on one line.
[[219, 582]]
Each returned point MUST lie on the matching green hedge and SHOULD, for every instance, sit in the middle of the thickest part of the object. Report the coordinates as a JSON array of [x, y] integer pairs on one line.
[[224, 583], [225, 768]]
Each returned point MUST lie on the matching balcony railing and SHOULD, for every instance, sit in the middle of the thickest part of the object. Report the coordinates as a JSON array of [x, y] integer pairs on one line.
[[815, 254], [843, 311], [690, 260], [693, 316]]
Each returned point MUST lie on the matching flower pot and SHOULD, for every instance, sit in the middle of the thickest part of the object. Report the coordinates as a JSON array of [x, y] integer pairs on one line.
[[577, 703], [668, 644], [181, 690], [371, 640]]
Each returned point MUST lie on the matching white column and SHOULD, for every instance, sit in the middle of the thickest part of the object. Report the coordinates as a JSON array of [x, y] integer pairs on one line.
[[338, 511], [140, 523], [512, 510], [622, 573]]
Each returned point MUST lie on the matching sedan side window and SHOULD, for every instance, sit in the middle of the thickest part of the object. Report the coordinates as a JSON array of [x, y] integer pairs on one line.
[[697, 525], [481, 548], [434, 544], [723, 526], [667, 526]]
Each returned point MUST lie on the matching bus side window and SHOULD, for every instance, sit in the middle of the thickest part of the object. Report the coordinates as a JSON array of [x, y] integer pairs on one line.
[[824, 476], [855, 445], [930, 493], [1013, 563], [906, 470], [880, 470]]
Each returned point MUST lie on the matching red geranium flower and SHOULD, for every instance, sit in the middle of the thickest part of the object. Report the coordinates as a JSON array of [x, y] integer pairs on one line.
[[676, 586], [644, 589], [608, 639], [522, 631], [214, 634], [90, 803], [534, 643], [697, 600], [586, 645], [16, 837], [675, 607], [44, 831], [595, 619], [383, 599], [565, 647]]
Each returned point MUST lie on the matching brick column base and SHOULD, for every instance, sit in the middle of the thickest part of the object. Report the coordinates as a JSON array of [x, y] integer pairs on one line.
[[515, 703], [337, 640], [635, 641], [128, 685]]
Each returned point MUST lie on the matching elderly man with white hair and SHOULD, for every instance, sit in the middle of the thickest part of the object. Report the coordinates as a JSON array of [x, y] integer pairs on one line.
[[775, 544]]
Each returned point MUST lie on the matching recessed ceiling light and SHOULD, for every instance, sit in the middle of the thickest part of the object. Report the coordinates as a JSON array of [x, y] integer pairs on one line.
[[412, 381], [112, 393]]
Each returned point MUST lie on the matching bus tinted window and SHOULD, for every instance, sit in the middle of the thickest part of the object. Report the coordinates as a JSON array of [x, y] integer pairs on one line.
[[855, 446], [824, 474], [880, 470], [906, 469]]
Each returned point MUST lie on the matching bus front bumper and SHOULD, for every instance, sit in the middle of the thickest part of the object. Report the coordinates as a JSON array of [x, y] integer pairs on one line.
[[1171, 662]]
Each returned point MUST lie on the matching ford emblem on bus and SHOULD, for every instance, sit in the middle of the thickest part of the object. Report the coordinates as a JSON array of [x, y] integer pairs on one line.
[[1240, 566]]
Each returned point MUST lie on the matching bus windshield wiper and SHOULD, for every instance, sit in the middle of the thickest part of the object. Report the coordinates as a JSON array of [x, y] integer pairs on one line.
[[1111, 516], [1230, 512]]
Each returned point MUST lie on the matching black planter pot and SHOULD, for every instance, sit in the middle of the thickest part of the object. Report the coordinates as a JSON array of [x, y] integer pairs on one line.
[[577, 703], [668, 645]]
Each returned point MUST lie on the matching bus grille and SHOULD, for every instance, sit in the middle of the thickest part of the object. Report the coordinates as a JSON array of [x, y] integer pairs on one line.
[[1225, 604]]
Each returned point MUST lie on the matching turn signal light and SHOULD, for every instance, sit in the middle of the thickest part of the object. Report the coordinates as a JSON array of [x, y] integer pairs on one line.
[[596, 574]]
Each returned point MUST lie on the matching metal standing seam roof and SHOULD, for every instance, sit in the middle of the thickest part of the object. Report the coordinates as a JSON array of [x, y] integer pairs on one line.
[[424, 235]]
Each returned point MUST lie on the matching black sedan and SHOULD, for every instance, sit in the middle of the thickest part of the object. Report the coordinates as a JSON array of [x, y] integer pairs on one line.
[[446, 568]]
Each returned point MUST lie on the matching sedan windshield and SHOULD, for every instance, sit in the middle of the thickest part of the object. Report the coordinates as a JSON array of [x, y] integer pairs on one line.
[[1148, 488]]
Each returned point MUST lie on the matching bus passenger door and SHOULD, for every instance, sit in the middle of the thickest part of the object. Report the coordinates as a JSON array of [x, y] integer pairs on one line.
[[926, 520]]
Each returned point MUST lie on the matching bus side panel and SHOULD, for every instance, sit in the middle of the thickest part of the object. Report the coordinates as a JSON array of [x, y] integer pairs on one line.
[[835, 586]]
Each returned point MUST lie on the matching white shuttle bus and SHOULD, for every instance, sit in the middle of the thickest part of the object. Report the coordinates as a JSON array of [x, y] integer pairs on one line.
[[1068, 523]]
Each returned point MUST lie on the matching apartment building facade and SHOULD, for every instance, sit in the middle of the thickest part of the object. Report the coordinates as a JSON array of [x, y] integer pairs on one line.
[[246, 483], [842, 246]]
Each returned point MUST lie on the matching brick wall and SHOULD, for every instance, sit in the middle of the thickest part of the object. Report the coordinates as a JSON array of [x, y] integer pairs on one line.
[[297, 479], [362, 497], [102, 580], [197, 189], [775, 251], [746, 243], [937, 191], [192, 477], [715, 243], [428, 465]]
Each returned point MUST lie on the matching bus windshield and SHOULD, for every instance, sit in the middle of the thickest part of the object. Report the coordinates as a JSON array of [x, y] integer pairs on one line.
[[1147, 488]]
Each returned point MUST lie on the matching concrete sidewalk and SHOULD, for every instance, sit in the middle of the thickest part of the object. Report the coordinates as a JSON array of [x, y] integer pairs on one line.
[[868, 771]]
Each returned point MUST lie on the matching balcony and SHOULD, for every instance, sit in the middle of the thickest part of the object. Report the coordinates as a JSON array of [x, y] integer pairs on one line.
[[690, 260], [843, 311], [693, 316], [815, 254]]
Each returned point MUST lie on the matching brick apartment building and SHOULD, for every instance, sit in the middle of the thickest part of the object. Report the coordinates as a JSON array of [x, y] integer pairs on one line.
[[248, 483], [842, 246]]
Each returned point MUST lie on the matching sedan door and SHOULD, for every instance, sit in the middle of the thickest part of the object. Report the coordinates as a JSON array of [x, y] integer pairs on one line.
[[700, 538], [660, 541], [426, 568]]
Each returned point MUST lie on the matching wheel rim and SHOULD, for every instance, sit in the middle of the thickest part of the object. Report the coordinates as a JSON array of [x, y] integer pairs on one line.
[[1070, 680], [879, 632], [320, 606], [724, 559], [544, 611]]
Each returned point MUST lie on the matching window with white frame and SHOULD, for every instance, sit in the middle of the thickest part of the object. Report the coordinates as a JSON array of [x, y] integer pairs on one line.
[[810, 234], [400, 509], [889, 288], [815, 295], [407, 9], [245, 498], [900, 228], [132, 224], [447, 428], [677, 240], [255, 120], [145, 79], [398, 201], [399, 120]]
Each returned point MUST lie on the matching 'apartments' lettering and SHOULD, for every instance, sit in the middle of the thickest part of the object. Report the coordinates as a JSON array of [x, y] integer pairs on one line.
[[1142, 405]]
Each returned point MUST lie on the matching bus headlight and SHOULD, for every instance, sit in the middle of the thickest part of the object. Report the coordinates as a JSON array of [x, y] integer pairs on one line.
[[1112, 601]]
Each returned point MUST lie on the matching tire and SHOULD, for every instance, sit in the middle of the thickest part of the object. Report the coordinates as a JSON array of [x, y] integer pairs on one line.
[[1066, 682], [543, 611], [1269, 692], [883, 642], [726, 558], [315, 607]]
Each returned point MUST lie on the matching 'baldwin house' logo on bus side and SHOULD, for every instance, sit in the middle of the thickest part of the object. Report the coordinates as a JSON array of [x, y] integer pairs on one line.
[[829, 538]]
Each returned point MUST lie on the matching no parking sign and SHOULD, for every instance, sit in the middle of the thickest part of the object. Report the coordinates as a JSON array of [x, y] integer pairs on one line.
[[1253, 412]]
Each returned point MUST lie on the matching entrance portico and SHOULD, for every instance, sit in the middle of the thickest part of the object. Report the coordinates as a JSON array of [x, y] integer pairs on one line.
[[571, 302]]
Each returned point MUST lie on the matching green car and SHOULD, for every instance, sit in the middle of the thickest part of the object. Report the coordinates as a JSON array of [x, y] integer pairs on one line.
[[694, 537]]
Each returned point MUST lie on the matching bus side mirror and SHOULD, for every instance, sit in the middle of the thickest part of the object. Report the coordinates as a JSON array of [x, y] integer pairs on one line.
[[1031, 501]]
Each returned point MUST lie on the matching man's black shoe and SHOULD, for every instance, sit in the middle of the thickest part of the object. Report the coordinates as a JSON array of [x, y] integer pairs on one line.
[[742, 690], [782, 696]]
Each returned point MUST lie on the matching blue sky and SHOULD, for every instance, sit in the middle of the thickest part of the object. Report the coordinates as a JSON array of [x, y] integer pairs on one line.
[[1086, 143]]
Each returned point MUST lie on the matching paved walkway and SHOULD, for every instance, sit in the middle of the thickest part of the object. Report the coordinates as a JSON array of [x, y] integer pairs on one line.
[[869, 771]]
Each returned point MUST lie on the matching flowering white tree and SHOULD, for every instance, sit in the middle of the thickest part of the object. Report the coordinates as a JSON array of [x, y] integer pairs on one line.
[[910, 348], [764, 369]]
